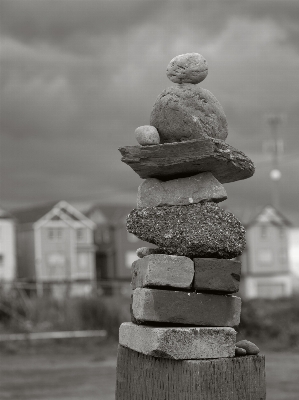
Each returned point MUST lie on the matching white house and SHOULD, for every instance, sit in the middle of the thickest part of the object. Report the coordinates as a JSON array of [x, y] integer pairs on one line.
[[7, 247], [266, 270], [55, 243]]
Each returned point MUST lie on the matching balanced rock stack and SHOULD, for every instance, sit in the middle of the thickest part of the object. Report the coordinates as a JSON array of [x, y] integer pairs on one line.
[[183, 307]]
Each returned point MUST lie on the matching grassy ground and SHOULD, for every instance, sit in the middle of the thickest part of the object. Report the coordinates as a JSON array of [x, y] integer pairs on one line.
[[86, 371]]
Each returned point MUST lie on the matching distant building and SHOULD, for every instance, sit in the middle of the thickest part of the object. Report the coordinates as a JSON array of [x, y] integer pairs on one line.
[[7, 247], [55, 243], [116, 248], [266, 270]]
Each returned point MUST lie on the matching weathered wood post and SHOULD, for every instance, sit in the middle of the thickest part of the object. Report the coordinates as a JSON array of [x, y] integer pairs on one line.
[[181, 343]]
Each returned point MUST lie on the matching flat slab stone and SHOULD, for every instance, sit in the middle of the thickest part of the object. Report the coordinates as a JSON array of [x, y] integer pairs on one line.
[[217, 275], [163, 270], [181, 159], [184, 308], [197, 230], [178, 343], [182, 191], [150, 378]]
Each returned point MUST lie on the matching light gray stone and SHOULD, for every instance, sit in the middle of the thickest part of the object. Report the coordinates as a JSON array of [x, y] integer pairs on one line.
[[146, 251], [186, 112], [147, 135], [184, 308], [187, 68], [163, 270], [178, 343], [182, 191]]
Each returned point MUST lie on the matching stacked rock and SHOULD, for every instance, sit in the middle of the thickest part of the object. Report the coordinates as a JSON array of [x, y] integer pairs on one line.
[[183, 305]]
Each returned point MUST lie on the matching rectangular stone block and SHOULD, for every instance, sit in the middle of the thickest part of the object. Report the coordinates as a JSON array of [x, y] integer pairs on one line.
[[179, 343], [216, 275], [141, 377], [184, 308], [163, 270]]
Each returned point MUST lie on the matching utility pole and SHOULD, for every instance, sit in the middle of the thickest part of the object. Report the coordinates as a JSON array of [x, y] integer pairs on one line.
[[276, 148]]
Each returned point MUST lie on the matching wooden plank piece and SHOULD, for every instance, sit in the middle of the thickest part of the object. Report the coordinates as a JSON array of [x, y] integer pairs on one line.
[[141, 377]]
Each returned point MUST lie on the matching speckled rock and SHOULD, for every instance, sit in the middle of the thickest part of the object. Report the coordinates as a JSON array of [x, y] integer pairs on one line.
[[147, 135], [187, 68], [187, 112], [250, 348], [146, 251], [182, 191], [197, 230], [178, 343]]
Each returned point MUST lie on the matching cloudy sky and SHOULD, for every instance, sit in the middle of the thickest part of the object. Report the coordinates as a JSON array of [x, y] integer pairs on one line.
[[78, 76]]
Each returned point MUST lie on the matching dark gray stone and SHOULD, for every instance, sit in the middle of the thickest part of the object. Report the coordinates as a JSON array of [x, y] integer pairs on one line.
[[250, 348], [198, 230], [181, 159], [186, 112]]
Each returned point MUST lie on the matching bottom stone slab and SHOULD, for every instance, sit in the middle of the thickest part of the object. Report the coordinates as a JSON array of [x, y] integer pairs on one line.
[[179, 343], [141, 377]]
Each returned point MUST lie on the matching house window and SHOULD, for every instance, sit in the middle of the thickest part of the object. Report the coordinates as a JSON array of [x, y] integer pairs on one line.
[[271, 290], [265, 256], [81, 235], [82, 261], [55, 234], [263, 231], [131, 256], [1, 260], [56, 265], [132, 238]]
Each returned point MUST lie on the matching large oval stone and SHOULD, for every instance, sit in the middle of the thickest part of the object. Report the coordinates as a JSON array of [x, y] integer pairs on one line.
[[197, 230], [186, 112]]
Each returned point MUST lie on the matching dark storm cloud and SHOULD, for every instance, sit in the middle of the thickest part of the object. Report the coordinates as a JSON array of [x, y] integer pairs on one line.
[[77, 78]]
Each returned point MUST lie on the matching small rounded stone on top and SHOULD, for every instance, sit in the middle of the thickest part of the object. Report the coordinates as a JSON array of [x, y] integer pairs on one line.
[[187, 68], [147, 135]]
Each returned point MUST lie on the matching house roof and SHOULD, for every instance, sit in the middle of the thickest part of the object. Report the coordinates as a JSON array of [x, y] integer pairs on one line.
[[270, 215], [112, 213], [4, 214], [32, 214]]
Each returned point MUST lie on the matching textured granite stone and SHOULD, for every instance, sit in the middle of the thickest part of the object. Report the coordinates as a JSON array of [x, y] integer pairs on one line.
[[182, 191], [250, 348], [216, 275], [186, 112], [187, 68], [197, 230], [147, 251], [177, 342], [147, 135], [184, 308], [181, 159], [163, 270]]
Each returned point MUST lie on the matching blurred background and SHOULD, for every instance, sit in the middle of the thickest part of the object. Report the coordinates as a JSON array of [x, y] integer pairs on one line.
[[77, 78]]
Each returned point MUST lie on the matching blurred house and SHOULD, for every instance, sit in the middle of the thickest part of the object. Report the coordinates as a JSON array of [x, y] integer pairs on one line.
[[115, 247], [294, 257], [55, 244], [7, 247], [266, 270]]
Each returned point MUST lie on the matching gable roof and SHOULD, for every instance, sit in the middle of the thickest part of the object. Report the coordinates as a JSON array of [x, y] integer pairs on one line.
[[113, 214], [270, 215], [51, 211]]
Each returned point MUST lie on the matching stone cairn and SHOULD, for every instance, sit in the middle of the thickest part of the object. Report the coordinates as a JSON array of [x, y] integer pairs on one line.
[[183, 307]]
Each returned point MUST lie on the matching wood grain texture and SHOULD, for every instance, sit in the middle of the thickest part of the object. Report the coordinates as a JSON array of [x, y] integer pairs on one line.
[[180, 159], [141, 377]]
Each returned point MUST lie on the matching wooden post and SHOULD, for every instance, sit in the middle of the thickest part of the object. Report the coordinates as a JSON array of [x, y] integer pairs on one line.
[[141, 377]]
